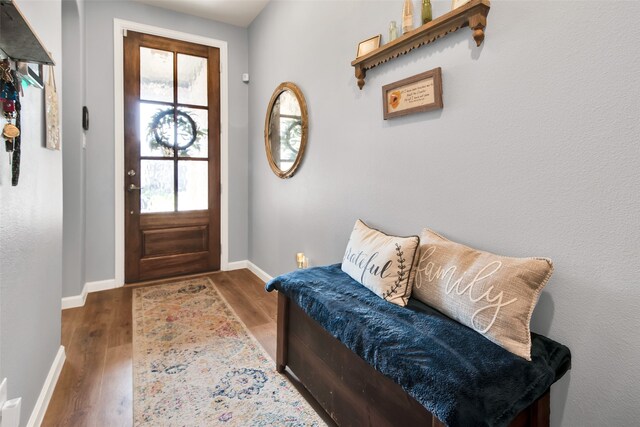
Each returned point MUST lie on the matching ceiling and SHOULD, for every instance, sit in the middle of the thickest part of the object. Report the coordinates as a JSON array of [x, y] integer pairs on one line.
[[235, 12]]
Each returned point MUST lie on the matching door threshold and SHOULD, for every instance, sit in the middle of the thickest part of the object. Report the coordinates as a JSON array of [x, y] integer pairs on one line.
[[170, 279]]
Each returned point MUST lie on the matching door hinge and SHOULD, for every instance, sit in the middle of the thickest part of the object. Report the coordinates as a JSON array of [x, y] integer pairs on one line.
[[124, 32]]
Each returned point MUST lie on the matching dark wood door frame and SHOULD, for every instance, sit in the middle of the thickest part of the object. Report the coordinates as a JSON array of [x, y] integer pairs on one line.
[[171, 243], [120, 28]]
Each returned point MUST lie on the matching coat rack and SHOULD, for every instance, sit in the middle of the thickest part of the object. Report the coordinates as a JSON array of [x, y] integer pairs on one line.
[[19, 45]]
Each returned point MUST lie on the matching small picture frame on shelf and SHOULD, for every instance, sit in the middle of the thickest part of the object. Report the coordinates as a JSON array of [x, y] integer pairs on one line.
[[368, 45], [36, 75], [422, 92], [457, 3], [31, 73]]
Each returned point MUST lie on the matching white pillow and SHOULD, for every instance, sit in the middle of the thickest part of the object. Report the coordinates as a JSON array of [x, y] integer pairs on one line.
[[380, 262]]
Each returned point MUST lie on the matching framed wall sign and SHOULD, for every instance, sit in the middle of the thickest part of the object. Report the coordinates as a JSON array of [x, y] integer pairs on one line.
[[422, 92]]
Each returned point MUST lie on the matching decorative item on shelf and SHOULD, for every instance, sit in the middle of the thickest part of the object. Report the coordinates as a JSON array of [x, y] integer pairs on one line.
[[427, 15], [31, 74], [393, 31], [421, 92], [472, 14], [457, 3], [407, 16], [10, 100], [368, 45], [52, 118], [301, 260]]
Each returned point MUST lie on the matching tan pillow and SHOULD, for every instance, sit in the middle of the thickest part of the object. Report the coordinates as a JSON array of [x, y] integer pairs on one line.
[[492, 294], [381, 262]]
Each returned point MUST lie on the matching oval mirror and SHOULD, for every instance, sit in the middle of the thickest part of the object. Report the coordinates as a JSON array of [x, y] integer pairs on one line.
[[285, 129]]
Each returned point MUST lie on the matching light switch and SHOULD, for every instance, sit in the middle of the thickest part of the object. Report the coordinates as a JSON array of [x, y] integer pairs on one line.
[[11, 413]]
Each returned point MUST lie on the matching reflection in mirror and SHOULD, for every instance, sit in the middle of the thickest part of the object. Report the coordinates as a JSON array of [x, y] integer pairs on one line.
[[286, 129]]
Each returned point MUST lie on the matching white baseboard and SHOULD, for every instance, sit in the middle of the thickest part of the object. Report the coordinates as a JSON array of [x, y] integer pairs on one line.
[[79, 300], [101, 285], [76, 300], [258, 272], [237, 265], [37, 415]]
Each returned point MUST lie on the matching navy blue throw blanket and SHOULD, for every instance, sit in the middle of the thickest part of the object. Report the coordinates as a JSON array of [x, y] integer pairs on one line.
[[458, 375]]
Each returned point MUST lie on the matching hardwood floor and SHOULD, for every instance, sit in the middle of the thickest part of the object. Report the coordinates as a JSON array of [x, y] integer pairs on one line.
[[95, 386]]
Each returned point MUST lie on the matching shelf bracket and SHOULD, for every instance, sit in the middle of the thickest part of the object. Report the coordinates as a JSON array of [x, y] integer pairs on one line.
[[478, 23], [360, 75]]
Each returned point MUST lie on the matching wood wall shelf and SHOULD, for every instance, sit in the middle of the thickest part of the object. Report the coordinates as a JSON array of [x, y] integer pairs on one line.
[[17, 39], [472, 15]]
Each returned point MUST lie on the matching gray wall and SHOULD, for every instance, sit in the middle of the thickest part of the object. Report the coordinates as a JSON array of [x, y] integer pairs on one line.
[[73, 152], [535, 153], [31, 236], [100, 231]]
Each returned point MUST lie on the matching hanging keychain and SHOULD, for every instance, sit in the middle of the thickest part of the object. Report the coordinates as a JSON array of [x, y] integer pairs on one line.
[[15, 162], [10, 98], [7, 101]]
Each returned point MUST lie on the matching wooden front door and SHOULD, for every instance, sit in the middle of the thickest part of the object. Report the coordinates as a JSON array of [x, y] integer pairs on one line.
[[172, 157]]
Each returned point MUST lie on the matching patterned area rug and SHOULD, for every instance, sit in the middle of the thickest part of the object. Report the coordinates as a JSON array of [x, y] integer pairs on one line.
[[196, 364]]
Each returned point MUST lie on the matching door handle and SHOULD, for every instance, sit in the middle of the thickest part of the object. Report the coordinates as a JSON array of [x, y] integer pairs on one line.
[[132, 187]]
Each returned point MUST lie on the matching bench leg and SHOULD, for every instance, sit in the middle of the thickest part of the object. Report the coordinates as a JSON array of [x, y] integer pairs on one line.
[[541, 411], [283, 330]]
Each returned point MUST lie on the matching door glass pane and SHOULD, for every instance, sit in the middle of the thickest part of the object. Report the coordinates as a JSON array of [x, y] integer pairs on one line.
[[289, 105], [156, 75], [156, 120], [200, 145], [193, 185], [290, 138], [192, 80], [156, 180]]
